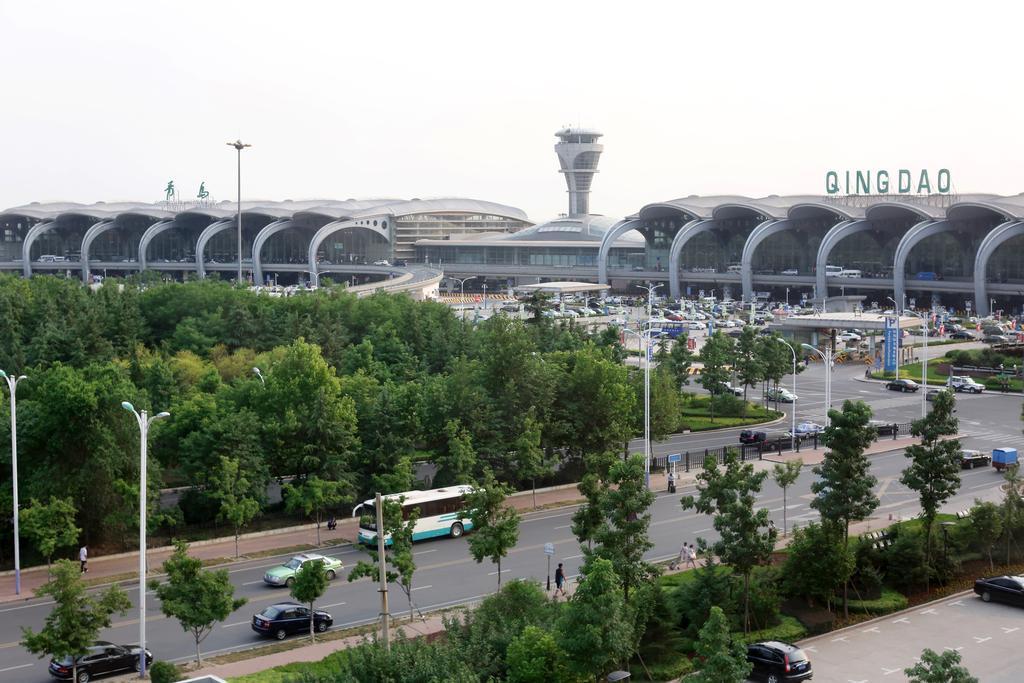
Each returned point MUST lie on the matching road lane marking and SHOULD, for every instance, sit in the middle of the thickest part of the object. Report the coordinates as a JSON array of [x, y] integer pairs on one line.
[[840, 638], [1009, 630], [901, 620], [979, 641], [930, 610], [20, 666], [495, 573], [237, 623], [873, 629], [564, 526], [333, 604], [252, 583], [982, 486], [886, 672], [422, 588]]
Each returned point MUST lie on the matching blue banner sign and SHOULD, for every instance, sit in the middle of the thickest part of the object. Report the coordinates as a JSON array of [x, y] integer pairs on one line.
[[892, 331]]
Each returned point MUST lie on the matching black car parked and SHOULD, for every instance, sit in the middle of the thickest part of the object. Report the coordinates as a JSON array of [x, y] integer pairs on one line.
[[962, 334], [752, 436], [775, 661], [1008, 589], [285, 618], [102, 659]]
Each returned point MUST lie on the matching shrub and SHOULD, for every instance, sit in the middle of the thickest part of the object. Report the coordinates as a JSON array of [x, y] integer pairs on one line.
[[891, 601], [727, 405], [165, 672], [904, 561], [197, 507], [692, 601], [789, 630], [764, 599]]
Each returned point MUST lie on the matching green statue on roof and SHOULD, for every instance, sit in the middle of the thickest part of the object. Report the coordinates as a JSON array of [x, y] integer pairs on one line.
[[169, 190], [203, 194]]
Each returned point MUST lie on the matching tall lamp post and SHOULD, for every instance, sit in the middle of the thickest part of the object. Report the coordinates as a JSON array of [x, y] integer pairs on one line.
[[144, 423], [12, 385], [258, 373], [792, 429], [645, 336], [239, 146], [924, 361], [827, 359], [462, 291]]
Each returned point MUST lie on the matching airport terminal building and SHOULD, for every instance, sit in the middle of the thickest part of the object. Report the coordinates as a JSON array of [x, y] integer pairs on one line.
[[960, 250]]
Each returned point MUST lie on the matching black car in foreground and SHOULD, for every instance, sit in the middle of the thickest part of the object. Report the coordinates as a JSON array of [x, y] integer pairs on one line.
[[962, 334], [102, 659], [1008, 589], [286, 618], [753, 436], [775, 661]]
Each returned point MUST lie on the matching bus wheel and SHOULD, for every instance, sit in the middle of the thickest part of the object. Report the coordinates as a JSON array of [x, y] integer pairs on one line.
[[457, 529]]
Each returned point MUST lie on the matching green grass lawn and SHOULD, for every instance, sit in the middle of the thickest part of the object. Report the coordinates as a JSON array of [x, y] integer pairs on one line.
[[696, 415], [913, 371]]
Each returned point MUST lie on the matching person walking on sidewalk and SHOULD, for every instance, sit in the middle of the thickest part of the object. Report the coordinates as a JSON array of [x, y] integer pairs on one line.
[[83, 558], [559, 581], [691, 557], [684, 552]]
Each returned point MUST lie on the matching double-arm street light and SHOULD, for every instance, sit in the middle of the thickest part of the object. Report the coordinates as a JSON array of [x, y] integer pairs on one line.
[[828, 359], [792, 429], [239, 146], [12, 385], [462, 291], [144, 423], [258, 373]]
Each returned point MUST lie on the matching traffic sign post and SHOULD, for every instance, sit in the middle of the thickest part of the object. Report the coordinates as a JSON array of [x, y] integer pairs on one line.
[[549, 550]]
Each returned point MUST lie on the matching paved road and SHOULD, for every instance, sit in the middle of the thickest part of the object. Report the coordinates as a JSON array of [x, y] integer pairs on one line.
[[987, 636], [448, 576]]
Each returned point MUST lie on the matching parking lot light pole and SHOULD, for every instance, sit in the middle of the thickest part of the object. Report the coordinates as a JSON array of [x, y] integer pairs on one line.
[[924, 362], [12, 385], [792, 429], [144, 423], [239, 146]]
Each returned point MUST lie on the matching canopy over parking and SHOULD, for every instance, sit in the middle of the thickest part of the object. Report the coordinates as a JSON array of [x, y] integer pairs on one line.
[[843, 321], [564, 287]]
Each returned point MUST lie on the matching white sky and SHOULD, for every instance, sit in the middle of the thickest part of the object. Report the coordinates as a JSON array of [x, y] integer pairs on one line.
[[109, 100]]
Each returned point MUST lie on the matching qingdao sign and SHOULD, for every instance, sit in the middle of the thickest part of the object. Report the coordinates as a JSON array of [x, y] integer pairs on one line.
[[903, 181]]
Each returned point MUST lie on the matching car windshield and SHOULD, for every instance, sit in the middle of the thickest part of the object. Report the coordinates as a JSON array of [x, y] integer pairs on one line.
[[293, 563], [270, 613]]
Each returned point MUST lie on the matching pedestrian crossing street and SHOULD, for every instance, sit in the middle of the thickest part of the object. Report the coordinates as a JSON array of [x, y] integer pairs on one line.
[[996, 438]]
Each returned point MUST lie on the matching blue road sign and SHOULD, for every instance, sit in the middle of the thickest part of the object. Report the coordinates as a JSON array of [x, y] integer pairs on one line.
[[892, 331], [675, 457]]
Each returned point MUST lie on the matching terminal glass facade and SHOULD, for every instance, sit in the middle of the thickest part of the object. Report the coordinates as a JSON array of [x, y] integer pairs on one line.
[[452, 225]]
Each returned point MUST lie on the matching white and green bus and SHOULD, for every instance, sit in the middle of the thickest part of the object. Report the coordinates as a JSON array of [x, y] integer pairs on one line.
[[440, 513]]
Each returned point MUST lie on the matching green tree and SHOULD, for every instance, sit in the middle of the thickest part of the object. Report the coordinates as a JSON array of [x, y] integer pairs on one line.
[[1013, 505], [495, 526], [745, 537], [785, 474], [622, 539], [457, 463], [310, 583], [776, 358], [934, 470], [50, 525], [716, 355], [595, 630], [76, 619], [986, 527], [313, 496], [816, 557], [196, 597], [666, 404], [589, 519], [844, 491], [750, 366], [400, 565], [720, 658], [939, 668], [531, 459], [231, 488], [677, 361], [534, 657]]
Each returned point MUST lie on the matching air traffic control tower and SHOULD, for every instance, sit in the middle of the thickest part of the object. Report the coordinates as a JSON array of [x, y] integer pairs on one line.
[[578, 153]]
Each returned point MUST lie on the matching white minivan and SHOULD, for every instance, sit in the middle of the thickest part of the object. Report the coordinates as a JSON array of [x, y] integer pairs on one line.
[[849, 273]]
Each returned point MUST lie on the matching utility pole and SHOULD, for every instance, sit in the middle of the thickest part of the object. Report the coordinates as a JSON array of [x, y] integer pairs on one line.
[[383, 574]]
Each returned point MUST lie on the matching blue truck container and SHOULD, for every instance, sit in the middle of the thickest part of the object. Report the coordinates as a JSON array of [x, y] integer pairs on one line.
[[1003, 458]]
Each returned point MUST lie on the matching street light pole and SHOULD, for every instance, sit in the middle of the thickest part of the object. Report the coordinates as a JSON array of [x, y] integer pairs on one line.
[[924, 362], [792, 429], [258, 373], [144, 424], [645, 336], [462, 292], [239, 146], [827, 359], [12, 385]]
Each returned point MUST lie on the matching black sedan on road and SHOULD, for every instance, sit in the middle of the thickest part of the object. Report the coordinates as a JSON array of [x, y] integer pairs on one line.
[[1008, 589], [962, 334], [775, 661], [102, 659], [753, 436], [286, 618], [902, 385]]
